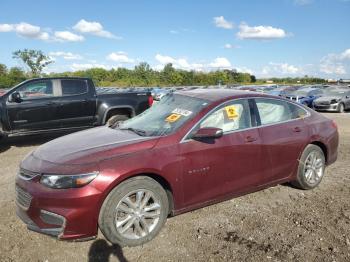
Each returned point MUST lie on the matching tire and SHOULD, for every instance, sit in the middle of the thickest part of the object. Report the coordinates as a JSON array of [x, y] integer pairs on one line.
[[116, 118], [341, 108], [310, 172], [117, 209]]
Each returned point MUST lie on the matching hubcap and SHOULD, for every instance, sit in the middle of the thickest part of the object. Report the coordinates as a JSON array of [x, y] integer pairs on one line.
[[137, 214], [313, 168]]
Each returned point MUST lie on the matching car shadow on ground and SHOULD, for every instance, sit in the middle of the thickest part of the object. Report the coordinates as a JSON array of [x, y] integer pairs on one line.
[[101, 251], [25, 141]]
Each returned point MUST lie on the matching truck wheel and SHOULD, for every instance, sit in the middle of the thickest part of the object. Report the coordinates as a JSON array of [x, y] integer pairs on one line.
[[311, 168], [134, 212], [116, 118]]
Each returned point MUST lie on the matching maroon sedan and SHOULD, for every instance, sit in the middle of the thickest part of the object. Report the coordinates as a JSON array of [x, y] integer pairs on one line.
[[190, 150]]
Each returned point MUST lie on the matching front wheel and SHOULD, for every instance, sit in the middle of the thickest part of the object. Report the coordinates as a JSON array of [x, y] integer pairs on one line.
[[311, 168], [341, 108], [134, 212]]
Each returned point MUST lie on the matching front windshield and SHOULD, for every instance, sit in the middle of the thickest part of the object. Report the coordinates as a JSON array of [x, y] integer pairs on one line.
[[164, 117]]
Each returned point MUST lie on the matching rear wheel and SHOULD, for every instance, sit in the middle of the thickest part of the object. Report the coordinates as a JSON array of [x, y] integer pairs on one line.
[[134, 212], [115, 119], [311, 168]]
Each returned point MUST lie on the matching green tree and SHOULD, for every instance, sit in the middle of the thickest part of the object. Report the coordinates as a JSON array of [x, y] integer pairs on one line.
[[36, 60]]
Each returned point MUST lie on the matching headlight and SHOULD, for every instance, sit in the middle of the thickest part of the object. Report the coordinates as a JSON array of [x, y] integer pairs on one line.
[[67, 181]]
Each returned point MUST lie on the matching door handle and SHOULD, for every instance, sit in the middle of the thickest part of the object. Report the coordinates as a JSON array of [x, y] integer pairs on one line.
[[250, 139], [50, 103], [296, 129]]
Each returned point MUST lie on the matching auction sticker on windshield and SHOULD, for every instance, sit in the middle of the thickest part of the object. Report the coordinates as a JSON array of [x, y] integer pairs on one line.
[[182, 112], [173, 118]]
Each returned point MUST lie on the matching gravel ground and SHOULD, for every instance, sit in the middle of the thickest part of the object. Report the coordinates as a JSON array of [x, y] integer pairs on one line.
[[276, 224]]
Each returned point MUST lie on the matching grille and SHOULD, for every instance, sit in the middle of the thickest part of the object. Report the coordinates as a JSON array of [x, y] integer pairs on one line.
[[23, 198], [27, 175]]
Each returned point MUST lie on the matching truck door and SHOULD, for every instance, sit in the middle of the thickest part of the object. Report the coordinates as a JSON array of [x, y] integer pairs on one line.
[[37, 109], [77, 104]]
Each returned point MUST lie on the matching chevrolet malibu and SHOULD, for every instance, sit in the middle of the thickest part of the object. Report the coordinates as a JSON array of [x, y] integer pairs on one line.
[[192, 149]]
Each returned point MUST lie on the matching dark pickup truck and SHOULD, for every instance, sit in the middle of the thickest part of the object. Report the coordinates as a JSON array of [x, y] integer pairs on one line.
[[46, 105]]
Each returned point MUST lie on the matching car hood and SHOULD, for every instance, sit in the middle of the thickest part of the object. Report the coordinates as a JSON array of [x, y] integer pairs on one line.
[[327, 98], [92, 145]]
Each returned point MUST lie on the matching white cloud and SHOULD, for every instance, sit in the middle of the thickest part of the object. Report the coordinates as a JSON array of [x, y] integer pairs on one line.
[[66, 36], [244, 70], [175, 32], [182, 63], [25, 30], [336, 64], [277, 69], [179, 63], [77, 67], [345, 54], [260, 32], [6, 28], [165, 59], [94, 28], [120, 57], [221, 22], [230, 46], [330, 68], [66, 55], [220, 62]]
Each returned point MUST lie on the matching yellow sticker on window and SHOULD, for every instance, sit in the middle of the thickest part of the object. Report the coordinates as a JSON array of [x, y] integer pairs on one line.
[[231, 112], [173, 118]]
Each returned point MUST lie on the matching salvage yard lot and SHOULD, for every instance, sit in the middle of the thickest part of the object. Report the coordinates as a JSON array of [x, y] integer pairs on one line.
[[276, 224]]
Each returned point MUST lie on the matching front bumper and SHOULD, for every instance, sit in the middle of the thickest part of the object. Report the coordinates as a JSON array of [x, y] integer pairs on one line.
[[67, 214], [329, 108]]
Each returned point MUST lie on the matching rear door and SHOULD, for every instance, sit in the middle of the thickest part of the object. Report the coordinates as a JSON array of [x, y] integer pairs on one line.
[[283, 134], [231, 163], [38, 109], [77, 103]]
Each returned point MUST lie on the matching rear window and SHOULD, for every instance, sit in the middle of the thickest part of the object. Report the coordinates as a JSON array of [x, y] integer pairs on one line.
[[73, 87]]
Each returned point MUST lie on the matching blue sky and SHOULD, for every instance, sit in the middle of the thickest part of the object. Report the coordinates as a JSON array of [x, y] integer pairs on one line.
[[266, 38]]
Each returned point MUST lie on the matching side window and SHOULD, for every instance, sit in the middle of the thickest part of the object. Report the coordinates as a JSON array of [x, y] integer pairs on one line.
[[297, 111], [73, 87], [36, 89], [274, 111], [229, 117]]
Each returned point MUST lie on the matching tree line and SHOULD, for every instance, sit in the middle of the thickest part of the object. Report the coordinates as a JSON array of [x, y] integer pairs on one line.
[[141, 75]]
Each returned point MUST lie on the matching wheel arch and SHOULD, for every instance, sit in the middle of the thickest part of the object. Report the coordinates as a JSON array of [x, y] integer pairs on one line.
[[157, 177]]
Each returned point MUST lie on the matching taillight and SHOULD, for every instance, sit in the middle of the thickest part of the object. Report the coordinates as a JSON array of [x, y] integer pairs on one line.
[[150, 100], [334, 124]]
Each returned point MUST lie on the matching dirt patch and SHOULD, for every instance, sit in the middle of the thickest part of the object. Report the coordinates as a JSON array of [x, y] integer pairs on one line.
[[276, 224]]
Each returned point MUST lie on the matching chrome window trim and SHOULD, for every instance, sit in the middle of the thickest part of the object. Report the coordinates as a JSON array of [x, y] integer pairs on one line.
[[308, 114]]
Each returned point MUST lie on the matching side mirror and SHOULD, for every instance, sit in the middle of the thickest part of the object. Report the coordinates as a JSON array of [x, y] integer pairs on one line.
[[16, 97], [208, 132]]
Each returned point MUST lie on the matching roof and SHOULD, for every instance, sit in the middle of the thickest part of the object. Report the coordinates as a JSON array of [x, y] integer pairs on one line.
[[218, 94]]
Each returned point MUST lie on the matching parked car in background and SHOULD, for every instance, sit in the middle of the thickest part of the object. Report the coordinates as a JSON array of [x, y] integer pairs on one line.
[[336, 100], [305, 96], [282, 90], [47, 105], [191, 149]]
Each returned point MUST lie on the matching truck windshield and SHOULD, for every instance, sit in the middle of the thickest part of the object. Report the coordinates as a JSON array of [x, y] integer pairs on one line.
[[166, 116]]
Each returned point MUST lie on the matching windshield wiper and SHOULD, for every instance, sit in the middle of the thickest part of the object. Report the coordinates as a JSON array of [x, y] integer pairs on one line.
[[139, 132]]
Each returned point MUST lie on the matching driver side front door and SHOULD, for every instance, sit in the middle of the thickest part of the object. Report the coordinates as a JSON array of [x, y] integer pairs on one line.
[[213, 168]]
